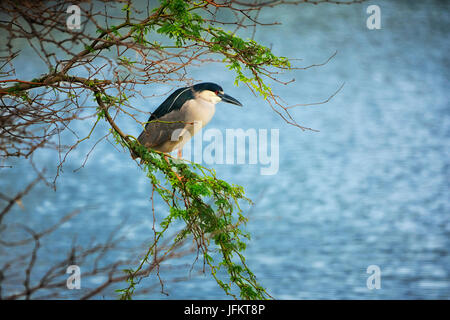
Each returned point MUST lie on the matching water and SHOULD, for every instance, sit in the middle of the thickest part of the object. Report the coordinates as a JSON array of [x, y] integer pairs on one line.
[[371, 188]]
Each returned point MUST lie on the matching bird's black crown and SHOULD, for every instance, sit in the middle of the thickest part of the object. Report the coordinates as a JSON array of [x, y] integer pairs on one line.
[[207, 86]]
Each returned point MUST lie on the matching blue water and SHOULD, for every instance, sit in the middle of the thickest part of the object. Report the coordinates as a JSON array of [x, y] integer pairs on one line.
[[370, 188]]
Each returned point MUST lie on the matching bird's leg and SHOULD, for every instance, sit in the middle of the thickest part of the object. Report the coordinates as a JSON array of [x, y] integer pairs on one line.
[[176, 174], [180, 153]]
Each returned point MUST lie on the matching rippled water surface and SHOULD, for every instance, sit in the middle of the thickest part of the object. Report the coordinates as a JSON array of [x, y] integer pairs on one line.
[[370, 188]]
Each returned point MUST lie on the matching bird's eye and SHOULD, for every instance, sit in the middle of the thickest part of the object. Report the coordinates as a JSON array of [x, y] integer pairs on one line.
[[216, 92]]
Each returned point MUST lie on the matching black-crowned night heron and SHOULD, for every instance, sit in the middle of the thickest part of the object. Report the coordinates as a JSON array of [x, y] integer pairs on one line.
[[182, 115]]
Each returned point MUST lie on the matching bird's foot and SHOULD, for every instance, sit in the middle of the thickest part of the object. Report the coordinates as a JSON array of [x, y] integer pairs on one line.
[[180, 178]]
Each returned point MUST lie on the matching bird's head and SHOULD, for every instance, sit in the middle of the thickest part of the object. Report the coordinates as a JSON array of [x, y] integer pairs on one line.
[[213, 93]]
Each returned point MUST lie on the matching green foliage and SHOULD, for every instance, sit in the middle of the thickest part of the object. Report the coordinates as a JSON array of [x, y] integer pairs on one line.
[[89, 48], [183, 24], [210, 208], [249, 54], [178, 21], [126, 61]]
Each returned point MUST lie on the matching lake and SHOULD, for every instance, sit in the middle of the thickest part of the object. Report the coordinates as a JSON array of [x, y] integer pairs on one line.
[[371, 187]]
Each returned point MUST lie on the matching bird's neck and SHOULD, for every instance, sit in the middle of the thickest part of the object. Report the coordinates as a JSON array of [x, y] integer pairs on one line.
[[201, 111], [208, 96]]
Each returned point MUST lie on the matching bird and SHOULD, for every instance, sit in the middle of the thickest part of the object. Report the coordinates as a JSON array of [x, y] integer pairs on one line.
[[181, 116]]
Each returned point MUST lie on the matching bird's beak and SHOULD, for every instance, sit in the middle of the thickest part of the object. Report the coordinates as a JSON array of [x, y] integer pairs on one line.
[[229, 99]]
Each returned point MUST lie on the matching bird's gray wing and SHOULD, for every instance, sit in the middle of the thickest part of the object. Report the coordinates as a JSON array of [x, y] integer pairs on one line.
[[160, 130], [166, 119]]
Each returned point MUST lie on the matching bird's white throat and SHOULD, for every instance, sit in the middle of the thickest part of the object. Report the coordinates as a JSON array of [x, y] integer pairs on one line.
[[200, 111], [208, 96]]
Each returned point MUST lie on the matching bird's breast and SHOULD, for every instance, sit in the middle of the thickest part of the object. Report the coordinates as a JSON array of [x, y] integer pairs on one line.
[[199, 111]]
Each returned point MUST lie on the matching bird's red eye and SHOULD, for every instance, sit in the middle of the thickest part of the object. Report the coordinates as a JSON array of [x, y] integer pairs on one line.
[[216, 92]]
